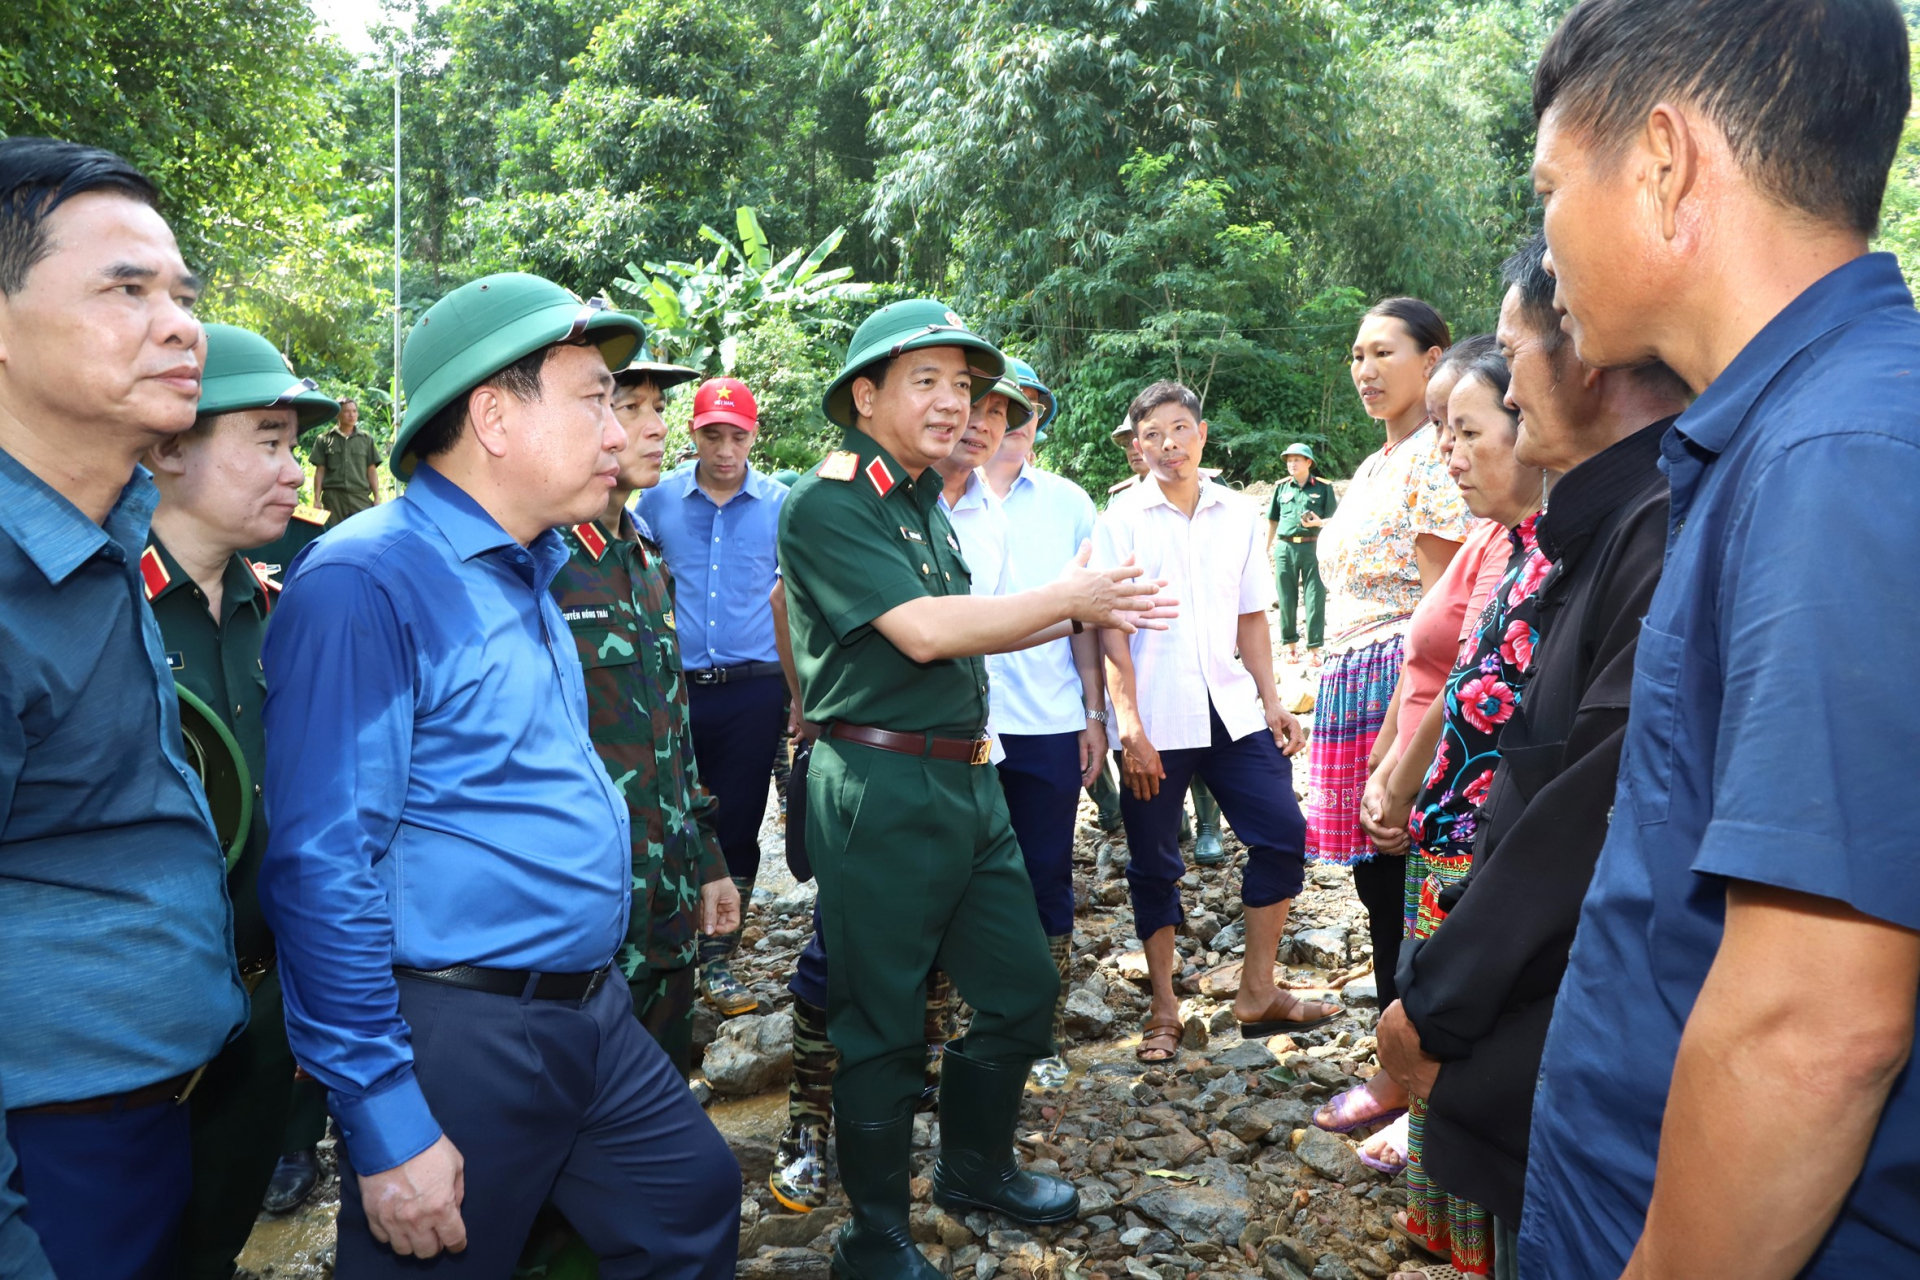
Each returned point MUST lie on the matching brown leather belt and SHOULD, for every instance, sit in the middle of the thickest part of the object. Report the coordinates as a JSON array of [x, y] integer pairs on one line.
[[963, 750], [1311, 537], [174, 1090]]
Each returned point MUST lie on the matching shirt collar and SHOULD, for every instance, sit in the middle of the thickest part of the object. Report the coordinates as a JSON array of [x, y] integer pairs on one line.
[[1585, 496], [55, 534], [1209, 493], [878, 468], [753, 485], [465, 523], [1871, 282], [976, 494]]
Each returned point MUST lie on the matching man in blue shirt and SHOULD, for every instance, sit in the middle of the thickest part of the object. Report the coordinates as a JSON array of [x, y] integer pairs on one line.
[[448, 870], [1711, 174], [717, 520], [117, 945]]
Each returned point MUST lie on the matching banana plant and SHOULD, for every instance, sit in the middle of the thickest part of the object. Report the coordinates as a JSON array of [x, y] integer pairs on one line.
[[696, 311]]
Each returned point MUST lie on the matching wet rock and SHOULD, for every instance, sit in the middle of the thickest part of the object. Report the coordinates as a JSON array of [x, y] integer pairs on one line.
[[1328, 1155], [750, 1054], [1325, 948], [785, 1264], [1328, 1266], [1362, 990], [1248, 1055], [1214, 1208], [1088, 1016]]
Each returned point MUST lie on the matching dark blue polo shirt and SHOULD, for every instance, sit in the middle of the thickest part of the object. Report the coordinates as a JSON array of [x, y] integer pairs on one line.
[[1771, 740]]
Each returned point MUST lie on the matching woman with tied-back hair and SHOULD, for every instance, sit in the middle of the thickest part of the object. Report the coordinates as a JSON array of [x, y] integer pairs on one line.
[[1397, 529]]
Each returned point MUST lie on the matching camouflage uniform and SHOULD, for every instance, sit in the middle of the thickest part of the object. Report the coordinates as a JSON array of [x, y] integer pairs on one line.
[[616, 596]]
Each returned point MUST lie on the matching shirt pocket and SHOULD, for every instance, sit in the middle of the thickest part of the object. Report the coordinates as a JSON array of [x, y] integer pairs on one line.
[[605, 644], [1654, 723]]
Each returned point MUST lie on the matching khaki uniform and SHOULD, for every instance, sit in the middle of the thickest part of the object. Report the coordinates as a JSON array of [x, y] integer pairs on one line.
[[346, 459]]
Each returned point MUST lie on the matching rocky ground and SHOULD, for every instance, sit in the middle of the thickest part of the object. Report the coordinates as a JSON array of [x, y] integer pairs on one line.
[[1197, 1169]]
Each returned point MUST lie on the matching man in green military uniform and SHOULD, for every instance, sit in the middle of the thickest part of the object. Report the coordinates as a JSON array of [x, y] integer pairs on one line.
[[906, 826], [616, 597], [230, 482], [346, 466], [1301, 504]]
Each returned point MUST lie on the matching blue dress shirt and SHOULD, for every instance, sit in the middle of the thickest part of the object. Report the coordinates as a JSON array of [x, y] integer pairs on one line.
[[434, 796], [117, 947], [1038, 690], [1770, 738], [723, 561]]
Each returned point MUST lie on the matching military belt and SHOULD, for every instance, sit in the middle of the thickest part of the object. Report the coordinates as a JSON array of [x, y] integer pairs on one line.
[[1296, 539], [740, 671], [524, 983], [173, 1090], [963, 750]]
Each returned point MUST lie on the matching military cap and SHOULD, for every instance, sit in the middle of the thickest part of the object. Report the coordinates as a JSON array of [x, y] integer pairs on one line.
[[1042, 396], [646, 369], [1297, 451], [245, 371], [1019, 408], [1123, 432], [787, 477], [908, 326], [484, 326]]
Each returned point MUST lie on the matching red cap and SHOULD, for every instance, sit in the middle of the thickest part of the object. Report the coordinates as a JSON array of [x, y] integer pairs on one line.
[[725, 400]]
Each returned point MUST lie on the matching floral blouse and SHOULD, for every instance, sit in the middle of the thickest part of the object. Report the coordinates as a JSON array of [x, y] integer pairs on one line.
[[1366, 549], [1482, 694]]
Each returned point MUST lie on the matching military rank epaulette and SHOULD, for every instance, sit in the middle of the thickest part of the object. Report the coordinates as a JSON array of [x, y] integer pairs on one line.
[[312, 515], [268, 587], [591, 538], [839, 465], [153, 574]]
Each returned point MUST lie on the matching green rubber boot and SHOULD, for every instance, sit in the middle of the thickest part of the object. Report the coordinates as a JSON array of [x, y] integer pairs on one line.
[[977, 1169], [1052, 1073], [1106, 798], [802, 1172], [717, 984], [1207, 849], [874, 1167]]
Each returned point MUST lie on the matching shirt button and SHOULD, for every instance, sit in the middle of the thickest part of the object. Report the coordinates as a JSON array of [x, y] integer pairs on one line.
[[924, 569]]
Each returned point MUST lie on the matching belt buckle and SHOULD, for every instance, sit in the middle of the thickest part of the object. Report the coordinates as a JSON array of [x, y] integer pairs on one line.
[[707, 675], [595, 983], [982, 751]]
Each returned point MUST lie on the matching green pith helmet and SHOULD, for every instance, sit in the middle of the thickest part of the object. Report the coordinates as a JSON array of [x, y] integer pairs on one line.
[[1044, 401], [245, 371], [908, 326], [1124, 432], [484, 326], [1019, 408], [646, 369], [1297, 451], [787, 477]]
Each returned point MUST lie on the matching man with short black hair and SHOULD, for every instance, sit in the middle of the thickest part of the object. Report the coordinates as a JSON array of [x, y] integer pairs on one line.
[[1711, 173], [118, 947], [346, 466], [450, 869]]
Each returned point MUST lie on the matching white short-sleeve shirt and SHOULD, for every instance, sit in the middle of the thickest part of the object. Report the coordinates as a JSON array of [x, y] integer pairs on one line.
[[1215, 564], [980, 523]]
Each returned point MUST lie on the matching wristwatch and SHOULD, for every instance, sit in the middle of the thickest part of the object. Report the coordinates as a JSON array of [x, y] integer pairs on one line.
[[1098, 717]]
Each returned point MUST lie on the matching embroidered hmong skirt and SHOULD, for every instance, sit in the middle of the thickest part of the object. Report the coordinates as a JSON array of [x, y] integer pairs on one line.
[[1355, 688]]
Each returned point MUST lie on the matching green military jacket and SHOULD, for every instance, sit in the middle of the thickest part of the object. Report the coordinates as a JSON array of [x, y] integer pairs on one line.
[[1291, 501], [219, 663], [617, 598], [346, 459], [857, 538]]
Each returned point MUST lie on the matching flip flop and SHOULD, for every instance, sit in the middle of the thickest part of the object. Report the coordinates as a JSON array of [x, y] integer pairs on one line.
[[1341, 1107], [1159, 1029], [1270, 1024], [1395, 1136]]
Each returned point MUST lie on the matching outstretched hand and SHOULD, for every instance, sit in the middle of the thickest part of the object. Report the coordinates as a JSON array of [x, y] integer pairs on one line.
[[1117, 598]]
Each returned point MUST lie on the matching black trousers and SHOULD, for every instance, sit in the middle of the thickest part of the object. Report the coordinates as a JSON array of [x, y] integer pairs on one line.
[[546, 1099], [736, 730], [1381, 885]]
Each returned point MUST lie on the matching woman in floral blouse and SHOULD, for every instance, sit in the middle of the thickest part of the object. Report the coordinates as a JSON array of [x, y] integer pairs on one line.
[[1480, 697], [1397, 528]]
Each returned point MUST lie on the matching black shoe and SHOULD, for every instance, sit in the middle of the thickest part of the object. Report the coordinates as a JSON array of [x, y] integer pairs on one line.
[[294, 1179], [977, 1169], [874, 1166]]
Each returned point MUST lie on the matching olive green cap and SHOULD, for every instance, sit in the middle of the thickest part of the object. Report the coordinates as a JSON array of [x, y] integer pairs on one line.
[[1123, 432], [910, 326], [245, 371], [1045, 403], [646, 369], [1297, 451], [484, 326]]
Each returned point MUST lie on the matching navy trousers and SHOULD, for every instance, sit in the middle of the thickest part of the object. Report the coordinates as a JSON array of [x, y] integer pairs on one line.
[[1041, 779], [105, 1192], [1254, 784], [736, 731], [546, 1099]]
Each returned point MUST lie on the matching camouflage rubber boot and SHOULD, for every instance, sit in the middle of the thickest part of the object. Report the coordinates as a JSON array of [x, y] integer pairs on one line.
[[939, 1030], [1207, 849], [718, 987], [1106, 798], [802, 1172], [1051, 1073]]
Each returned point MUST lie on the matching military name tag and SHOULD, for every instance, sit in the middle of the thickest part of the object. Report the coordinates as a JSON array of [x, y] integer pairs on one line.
[[312, 515], [588, 613], [176, 660], [839, 465], [953, 542], [911, 535]]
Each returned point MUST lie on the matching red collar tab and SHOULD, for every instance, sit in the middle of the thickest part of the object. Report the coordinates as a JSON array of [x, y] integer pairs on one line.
[[591, 538], [153, 573], [882, 478]]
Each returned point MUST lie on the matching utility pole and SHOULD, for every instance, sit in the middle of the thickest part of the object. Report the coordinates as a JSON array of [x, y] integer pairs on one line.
[[396, 233]]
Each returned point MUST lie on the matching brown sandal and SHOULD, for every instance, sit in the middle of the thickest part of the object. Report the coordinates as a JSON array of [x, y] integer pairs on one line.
[[1167, 1030], [1271, 1023]]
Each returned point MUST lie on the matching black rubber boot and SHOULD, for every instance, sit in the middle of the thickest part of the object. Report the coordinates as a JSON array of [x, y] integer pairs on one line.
[[979, 1107], [874, 1167]]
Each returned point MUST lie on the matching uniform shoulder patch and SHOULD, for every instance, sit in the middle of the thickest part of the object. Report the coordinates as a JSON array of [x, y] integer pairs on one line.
[[839, 465], [591, 538], [312, 515], [153, 574]]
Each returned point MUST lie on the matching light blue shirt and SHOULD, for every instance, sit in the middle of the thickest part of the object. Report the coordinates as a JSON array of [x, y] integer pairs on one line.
[[723, 561], [1038, 690], [435, 797], [117, 942]]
